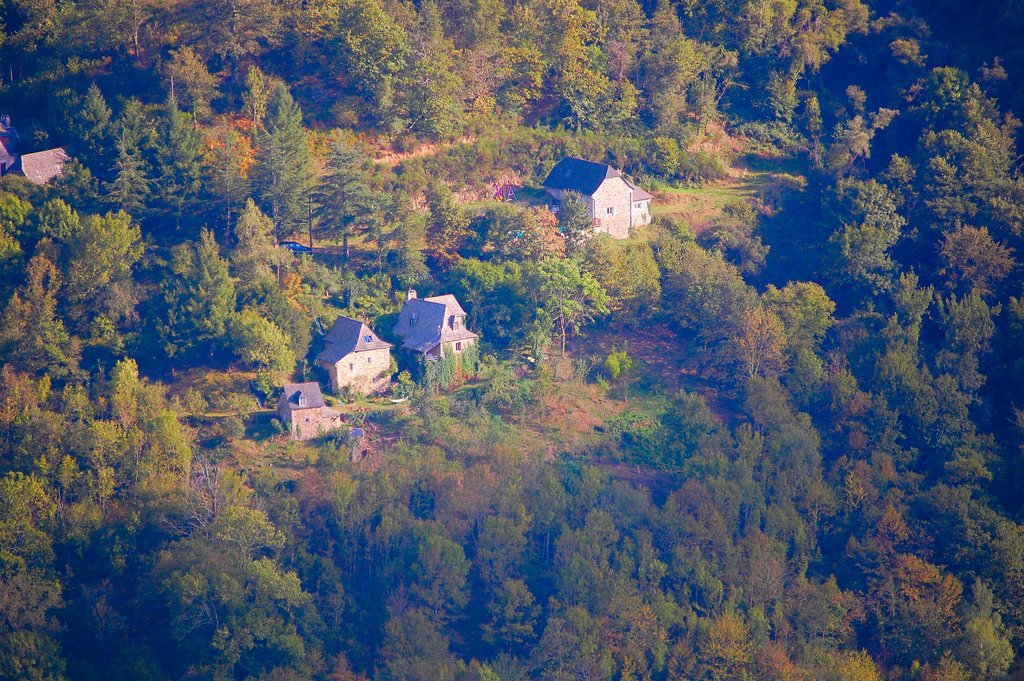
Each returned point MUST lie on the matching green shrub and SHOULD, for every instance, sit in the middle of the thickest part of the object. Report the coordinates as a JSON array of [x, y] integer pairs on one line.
[[617, 363]]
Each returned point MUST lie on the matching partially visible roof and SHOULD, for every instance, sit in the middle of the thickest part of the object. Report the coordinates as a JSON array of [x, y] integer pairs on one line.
[[449, 301], [425, 323], [311, 391], [7, 154], [579, 175], [349, 335], [42, 166], [638, 194], [7, 131]]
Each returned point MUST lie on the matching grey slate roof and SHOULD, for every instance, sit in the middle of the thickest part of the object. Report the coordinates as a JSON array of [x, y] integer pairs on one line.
[[42, 166], [638, 194], [314, 398], [579, 175], [346, 336], [427, 322]]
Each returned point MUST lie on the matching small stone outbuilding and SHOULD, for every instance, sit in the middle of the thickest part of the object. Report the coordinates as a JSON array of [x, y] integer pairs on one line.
[[301, 406], [434, 327], [355, 357], [39, 167], [617, 206], [42, 166]]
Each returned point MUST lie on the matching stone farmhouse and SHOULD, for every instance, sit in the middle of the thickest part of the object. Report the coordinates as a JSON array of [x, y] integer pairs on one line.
[[39, 167], [355, 357], [617, 206], [433, 327], [302, 407]]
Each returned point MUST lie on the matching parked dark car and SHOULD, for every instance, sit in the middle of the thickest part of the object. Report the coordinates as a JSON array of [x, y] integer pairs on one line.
[[295, 247]]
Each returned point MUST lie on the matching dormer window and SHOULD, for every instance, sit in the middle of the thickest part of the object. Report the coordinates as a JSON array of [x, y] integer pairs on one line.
[[412, 319], [301, 399]]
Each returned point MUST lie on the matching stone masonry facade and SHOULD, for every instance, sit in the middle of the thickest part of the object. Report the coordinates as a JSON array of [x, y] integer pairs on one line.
[[610, 205], [364, 372]]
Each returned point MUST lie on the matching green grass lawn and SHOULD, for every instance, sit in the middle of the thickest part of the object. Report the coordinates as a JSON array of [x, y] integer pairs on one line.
[[752, 178]]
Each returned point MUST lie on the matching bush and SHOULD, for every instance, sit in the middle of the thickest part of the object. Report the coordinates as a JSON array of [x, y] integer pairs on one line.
[[403, 387], [277, 426], [618, 363], [232, 428], [701, 167]]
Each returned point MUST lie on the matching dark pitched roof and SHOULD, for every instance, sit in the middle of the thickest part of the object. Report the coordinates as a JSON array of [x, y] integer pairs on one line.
[[311, 391], [42, 166], [579, 175], [426, 322], [349, 335]]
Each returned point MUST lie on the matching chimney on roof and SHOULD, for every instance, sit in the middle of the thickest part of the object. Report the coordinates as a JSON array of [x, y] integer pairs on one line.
[[410, 295]]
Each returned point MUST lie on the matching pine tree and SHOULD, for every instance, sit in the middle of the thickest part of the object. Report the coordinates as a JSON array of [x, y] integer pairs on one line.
[[448, 228], [179, 180], [283, 174], [92, 126], [228, 185], [32, 336], [199, 298], [342, 198], [131, 186]]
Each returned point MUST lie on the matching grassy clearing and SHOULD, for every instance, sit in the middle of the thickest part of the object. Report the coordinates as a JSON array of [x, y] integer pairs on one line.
[[532, 197], [750, 178]]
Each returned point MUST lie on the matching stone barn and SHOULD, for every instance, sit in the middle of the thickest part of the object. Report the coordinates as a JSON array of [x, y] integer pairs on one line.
[[301, 406], [355, 357]]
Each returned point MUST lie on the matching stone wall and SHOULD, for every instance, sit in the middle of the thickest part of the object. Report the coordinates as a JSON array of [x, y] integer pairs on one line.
[[307, 424], [362, 372], [463, 345], [613, 194], [641, 215]]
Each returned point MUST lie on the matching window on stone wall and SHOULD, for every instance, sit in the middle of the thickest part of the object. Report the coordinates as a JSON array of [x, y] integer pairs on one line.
[[351, 366], [611, 210], [458, 346]]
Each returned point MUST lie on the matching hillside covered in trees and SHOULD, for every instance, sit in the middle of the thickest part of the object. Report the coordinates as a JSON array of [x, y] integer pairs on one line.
[[775, 435]]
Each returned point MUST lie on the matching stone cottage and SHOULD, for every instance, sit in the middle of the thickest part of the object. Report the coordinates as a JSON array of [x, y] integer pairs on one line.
[[616, 205], [301, 406], [355, 357], [433, 327]]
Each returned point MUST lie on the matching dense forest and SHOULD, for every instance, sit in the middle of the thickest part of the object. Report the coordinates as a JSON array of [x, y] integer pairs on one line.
[[776, 435]]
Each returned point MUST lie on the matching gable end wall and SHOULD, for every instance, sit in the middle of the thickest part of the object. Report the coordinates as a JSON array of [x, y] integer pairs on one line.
[[613, 193]]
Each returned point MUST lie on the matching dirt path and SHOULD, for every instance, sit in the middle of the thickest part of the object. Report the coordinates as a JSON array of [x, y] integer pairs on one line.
[[393, 158]]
